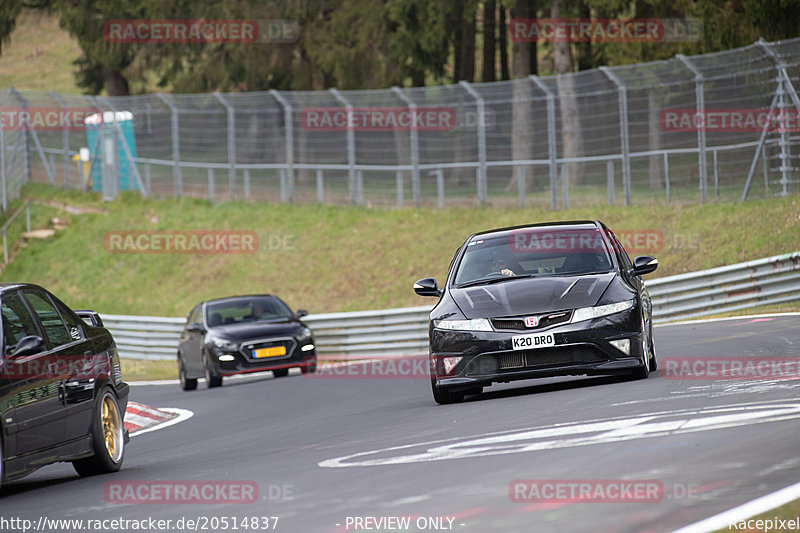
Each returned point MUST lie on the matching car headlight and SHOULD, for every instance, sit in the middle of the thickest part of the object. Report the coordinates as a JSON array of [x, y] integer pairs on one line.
[[475, 324], [587, 313], [223, 344], [304, 335]]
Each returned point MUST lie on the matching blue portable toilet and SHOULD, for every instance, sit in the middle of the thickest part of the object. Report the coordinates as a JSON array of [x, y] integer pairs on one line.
[[102, 125]]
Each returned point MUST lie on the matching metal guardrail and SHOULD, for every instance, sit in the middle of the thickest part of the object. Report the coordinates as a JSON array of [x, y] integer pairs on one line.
[[404, 331], [770, 280]]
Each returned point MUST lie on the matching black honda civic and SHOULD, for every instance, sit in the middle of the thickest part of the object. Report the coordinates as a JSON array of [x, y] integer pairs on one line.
[[540, 300], [242, 334]]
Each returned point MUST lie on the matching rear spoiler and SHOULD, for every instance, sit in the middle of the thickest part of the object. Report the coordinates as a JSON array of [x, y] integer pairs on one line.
[[90, 317]]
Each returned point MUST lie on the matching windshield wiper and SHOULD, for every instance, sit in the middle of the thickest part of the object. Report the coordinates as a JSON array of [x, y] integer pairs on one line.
[[489, 281]]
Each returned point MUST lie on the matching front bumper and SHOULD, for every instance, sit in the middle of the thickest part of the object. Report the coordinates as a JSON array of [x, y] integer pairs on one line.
[[582, 348], [241, 364]]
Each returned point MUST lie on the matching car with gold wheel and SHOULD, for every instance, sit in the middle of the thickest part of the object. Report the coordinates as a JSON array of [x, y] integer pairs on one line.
[[62, 397]]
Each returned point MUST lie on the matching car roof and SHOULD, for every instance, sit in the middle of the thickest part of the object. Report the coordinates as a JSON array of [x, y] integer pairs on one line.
[[8, 286], [239, 297], [565, 224]]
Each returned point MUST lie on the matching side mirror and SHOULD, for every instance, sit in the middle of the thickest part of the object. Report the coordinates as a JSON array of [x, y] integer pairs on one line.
[[195, 326], [644, 264], [32, 344], [427, 287], [301, 313]]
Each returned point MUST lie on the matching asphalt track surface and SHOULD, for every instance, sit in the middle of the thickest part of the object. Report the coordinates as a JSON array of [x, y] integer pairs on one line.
[[323, 450]]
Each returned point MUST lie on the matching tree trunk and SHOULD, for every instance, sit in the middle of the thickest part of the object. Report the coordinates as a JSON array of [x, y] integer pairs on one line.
[[524, 56], [654, 140], [468, 47], [489, 48], [116, 84], [502, 43], [571, 136]]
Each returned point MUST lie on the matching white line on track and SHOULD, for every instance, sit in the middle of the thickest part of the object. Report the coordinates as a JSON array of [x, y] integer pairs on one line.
[[744, 511]]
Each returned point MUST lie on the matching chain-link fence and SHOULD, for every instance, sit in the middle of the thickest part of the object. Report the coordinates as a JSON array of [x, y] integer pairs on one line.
[[721, 126]]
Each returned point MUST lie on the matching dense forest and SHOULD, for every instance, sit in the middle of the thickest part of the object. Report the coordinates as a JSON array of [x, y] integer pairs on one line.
[[368, 44]]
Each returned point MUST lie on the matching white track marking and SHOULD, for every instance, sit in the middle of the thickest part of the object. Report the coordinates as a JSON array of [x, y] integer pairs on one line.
[[743, 512], [183, 414], [604, 431]]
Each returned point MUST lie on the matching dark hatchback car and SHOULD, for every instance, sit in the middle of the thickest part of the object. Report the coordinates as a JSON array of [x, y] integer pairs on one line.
[[539, 300], [62, 397], [243, 334]]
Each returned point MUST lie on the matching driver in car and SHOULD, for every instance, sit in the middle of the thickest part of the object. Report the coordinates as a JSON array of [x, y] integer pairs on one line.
[[499, 263]]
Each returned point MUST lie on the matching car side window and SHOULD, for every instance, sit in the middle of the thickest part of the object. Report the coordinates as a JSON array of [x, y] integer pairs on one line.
[[73, 323], [54, 327], [17, 321], [194, 316], [622, 255]]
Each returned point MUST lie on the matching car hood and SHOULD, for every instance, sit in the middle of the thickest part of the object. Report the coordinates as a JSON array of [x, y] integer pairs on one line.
[[531, 295], [256, 330]]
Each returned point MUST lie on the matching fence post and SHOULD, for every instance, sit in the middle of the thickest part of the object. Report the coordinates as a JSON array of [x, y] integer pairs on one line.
[[211, 184], [351, 146], [398, 178], [480, 106], [521, 182], [439, 173], [414, 140], [67, 163], [666, 175], [624, 133], [231, 143], [176, 146], [716, 176], [320, 187], [701, 132], [565, 186], [610, 180], [3, 166], [552, 146], [784, 86], [288, 138], [246, 184]]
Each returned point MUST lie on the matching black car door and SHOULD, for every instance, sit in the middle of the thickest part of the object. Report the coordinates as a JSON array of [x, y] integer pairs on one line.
[[191, 343], [84, 363], [30, 383]]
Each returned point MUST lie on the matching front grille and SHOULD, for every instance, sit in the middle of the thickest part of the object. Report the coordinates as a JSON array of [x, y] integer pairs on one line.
[[247, 348], [518, 323], [557, 356]]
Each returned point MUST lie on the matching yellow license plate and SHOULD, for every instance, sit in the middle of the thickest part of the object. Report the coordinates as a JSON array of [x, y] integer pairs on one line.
[[275, 351]]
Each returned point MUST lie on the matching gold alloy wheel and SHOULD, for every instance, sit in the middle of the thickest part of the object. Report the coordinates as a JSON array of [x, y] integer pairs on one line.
[[112, 428]]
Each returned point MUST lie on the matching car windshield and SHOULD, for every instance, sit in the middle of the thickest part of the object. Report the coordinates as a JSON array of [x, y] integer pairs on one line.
[[248, 309], [531, 252]]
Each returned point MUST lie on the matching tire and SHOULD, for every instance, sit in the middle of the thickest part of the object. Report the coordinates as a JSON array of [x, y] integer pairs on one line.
[[653, 360], [309, 369], [444, 395], [280, 372], [212, 380], [108, 437], [186, 383]]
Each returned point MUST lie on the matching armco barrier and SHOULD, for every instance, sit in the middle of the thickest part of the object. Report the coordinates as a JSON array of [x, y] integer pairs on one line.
[[404, 331]]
